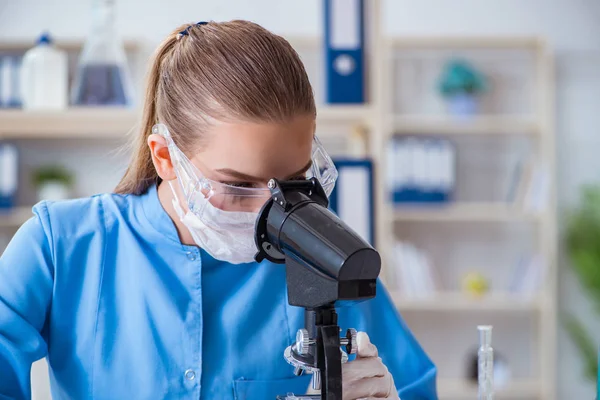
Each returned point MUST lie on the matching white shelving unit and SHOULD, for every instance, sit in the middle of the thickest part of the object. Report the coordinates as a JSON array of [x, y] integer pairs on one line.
[[536, 126], [89, 123], [464, 212], [76, 123], [457, 302], [115, 124], [480, 125], [357, 115]]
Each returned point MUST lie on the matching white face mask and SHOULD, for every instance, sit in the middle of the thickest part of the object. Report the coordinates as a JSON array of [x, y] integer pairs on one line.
[[235, 246]]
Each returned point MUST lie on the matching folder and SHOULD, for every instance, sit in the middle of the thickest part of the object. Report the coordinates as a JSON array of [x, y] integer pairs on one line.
[[352, 197], [10, 96], [344, 51], [8, 175]]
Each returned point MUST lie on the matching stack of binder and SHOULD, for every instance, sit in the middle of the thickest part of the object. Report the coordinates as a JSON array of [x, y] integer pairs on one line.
[[421, 170], [415, 275]]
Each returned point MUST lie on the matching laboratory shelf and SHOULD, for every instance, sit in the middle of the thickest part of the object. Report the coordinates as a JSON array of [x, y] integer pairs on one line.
[[448, 301], [117, 122], [67, 45], [477, 125], [483, 212], [464, 42], [92, 123], [344, 114], [450, 389], [14, 217], [403, 58]]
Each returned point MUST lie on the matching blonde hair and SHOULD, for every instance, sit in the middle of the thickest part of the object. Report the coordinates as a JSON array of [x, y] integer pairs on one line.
[[228, 71]]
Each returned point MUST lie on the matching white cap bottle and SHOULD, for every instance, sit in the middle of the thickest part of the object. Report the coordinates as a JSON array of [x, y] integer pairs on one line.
[[44, 77]]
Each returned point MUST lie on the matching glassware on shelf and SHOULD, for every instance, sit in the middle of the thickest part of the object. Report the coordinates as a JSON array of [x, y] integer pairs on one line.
[[486, 363], [43, 82], [102, 77]]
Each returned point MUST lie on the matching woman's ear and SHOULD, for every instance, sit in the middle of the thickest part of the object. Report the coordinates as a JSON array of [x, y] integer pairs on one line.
[[161, 158]]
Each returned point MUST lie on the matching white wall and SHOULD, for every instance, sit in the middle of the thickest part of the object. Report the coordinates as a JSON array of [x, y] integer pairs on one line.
[[152, 19], [571, 26], [567, 24]]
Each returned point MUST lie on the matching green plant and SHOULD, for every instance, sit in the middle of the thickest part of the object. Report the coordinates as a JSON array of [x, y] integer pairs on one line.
[[52, 173], [459, 77], [583, 249]]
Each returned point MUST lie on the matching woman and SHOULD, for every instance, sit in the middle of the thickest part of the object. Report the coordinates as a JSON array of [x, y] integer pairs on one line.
[[152, 292]]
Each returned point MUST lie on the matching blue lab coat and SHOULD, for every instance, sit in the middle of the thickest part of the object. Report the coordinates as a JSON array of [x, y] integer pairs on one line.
[[105, 290]]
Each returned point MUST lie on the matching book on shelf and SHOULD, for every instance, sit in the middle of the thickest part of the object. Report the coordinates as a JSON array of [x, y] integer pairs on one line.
[[414, 272], [528, 275], [538, 190], [529, 184], [518, 180]]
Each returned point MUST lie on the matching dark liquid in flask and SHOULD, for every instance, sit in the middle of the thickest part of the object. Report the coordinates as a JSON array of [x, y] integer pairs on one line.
[[101, 84]]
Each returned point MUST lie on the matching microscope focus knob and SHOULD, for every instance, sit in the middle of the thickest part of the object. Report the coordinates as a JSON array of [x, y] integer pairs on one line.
[[352, 346], [303, 342]]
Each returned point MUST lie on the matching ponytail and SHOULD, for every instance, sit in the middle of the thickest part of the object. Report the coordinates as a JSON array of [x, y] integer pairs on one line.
[[141, 174]]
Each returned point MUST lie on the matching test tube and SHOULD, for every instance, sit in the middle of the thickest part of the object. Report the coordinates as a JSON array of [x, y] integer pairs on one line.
[[485, 374]]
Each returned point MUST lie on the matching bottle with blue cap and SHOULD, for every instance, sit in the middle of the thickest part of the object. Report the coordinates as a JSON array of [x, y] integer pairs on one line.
[[44, 76]]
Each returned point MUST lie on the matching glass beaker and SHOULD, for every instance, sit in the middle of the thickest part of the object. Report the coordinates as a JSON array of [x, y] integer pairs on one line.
[[102, 77]]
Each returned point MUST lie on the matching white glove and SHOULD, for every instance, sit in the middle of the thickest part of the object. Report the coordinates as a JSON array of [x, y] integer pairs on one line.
[[366, 377]]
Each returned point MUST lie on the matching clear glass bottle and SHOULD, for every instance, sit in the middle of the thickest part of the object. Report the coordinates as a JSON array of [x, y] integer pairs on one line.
[[486, 363], [102, 77]]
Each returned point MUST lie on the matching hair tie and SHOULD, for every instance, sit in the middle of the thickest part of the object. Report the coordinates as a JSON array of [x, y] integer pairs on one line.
[[186, 32]]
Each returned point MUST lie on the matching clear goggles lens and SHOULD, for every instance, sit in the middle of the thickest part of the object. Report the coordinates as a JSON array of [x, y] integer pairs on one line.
[[199, 190]]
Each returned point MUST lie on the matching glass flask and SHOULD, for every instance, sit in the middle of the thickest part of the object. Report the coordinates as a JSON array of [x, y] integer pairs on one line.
[[102, 77]]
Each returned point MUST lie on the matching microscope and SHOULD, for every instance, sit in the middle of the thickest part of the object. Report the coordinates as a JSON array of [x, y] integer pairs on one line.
[[327, 265]]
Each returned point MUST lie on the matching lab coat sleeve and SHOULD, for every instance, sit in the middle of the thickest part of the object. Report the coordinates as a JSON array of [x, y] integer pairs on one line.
[[413, 371], [26, 281]]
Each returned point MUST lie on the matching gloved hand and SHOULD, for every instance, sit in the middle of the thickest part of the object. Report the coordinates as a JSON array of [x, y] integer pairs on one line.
[[366, 377]]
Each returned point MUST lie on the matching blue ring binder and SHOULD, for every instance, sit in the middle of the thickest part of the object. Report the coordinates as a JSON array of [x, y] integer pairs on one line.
[[344, 51], [343, 165]]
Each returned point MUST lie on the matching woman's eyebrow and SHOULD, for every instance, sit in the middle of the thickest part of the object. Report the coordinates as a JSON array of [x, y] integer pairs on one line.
[[232, 173], [302, 170]]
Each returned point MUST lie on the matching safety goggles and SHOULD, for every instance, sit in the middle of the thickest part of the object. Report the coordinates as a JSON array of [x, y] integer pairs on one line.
[[198, 189]]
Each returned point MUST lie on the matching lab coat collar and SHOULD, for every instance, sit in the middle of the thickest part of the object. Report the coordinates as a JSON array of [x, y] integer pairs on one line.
[[158, 218]]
